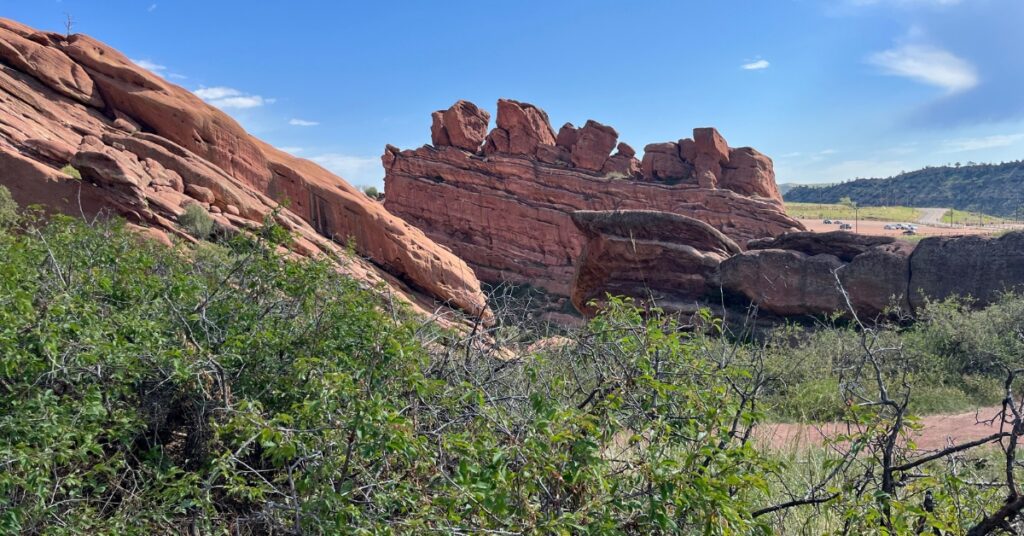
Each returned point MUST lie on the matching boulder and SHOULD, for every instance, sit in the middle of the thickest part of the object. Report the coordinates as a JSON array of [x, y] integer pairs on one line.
[[660, 259], [750, 173], [526, 126], [818, 274], [567, 136], [438, 132], [841, 244], [981, 268], [594, 142], [661, 162], [784, 282], [466, 125]]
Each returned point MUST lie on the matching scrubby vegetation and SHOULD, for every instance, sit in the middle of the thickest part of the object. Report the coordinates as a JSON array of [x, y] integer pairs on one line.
[[225, 389], [982, 188], [196, 221], [71, 171]]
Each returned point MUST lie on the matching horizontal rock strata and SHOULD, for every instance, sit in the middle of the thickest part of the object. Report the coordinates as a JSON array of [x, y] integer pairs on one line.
[[505, 205]]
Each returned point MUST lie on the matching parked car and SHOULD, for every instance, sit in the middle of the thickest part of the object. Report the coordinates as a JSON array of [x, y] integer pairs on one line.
[[827, 221], [845, 227], [891, 227], [837, 222], [909, 232]]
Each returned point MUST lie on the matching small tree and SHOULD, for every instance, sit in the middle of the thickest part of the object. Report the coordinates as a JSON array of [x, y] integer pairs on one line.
[[69, 24], [372, 192]]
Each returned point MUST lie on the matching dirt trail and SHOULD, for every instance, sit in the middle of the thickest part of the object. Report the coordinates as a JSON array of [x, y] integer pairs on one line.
[[937, 432], [931, 216]]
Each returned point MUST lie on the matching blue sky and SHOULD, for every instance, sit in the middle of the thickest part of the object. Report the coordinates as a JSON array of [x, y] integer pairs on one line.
[[830, 89]]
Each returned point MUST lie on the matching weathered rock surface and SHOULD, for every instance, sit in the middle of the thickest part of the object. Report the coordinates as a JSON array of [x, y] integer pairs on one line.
[[801, 274], [506, 208], [147, 148], [658, 258], [975, 266]]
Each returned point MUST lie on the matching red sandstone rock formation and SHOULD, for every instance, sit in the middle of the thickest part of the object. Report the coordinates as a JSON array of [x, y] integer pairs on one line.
[[804, 274], [505, 208], [147, 148], [658, 258]]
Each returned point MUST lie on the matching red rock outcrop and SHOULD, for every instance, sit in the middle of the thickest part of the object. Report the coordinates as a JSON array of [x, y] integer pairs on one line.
[[980, 267], [506, 208], [807, 274], [147, 148], [801, 274], [658, 258]]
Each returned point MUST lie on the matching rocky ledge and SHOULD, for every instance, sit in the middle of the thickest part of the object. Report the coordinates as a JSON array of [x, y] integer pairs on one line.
[[502, 200], [800, 274]]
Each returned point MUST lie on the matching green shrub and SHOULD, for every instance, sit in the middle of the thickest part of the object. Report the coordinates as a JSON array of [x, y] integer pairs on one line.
[[196, 221], [228, 389], [8, 208], [71, 171]]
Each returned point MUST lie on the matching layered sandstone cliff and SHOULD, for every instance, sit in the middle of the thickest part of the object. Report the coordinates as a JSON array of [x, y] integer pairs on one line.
[[147, 148], [502, 200]]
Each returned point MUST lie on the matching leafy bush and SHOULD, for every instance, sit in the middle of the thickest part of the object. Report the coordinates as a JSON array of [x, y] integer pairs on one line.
[[230, 390], [196, 221], [71, 171], [8, 208]]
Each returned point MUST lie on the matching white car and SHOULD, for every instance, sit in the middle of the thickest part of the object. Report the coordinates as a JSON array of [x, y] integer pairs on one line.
[[891, 227]]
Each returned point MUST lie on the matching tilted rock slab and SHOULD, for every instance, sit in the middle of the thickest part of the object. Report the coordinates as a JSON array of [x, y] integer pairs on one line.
[[807, 274], [658, 258], [147, 148], [813, 274], [506, 207]]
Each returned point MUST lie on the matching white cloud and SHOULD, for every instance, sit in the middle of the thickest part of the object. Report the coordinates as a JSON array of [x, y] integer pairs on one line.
[[176, 76], [292, 150], [985, 142], [226, 97], [150, 65], [303, 123], [755, 65], [354, 169], [152, 8], [927, 64]]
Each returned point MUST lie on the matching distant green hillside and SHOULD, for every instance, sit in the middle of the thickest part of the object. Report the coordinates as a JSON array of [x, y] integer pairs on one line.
[[996, 189]]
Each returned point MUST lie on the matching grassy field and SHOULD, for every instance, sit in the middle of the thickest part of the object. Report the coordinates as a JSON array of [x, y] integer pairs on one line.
[[837, 211], [973, 218]]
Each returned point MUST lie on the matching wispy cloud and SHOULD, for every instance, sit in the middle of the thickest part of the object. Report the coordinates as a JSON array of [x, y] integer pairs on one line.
[[756, 65], [152, 8], [985, 142], [150, 66], [303, 123], [927, 64], [355, 169], [816, 156], [903, 3], [292, 150], [849, 169], [226, 97]]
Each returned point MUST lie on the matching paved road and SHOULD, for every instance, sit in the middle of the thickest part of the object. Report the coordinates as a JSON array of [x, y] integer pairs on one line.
[[931, 216]]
